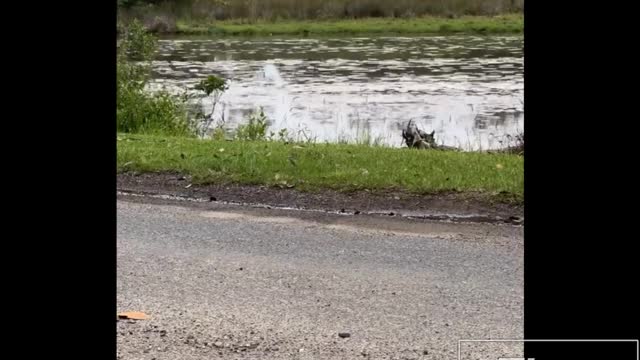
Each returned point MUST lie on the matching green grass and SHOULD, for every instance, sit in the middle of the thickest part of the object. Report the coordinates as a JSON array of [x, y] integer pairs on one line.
[[424, 25], [333, 166]]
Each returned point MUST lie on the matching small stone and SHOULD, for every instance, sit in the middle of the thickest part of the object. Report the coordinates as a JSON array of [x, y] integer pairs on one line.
[[212, 198], [344, 335]]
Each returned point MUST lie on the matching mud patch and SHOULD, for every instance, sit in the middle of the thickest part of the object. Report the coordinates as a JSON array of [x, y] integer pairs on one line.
[[443, 207]]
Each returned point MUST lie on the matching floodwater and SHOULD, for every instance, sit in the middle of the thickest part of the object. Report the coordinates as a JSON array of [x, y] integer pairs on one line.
[[469, 89]]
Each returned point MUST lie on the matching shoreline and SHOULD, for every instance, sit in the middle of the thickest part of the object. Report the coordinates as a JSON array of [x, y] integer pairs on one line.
[[477, 25]]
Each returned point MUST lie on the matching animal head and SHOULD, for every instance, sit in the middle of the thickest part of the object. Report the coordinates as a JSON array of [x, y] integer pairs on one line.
[[428, 137]]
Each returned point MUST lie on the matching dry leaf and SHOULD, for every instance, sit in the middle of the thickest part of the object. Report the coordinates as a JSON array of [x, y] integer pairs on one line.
[[133, 315]]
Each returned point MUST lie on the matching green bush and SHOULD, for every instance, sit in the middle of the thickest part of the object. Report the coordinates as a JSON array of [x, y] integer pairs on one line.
[[255, 129], [213, 87], [137, 110]]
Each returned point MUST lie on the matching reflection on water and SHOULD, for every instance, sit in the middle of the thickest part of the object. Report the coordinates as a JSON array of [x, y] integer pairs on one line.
[[469, 89]]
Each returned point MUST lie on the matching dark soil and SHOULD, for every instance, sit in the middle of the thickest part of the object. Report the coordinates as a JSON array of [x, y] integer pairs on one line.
[[468, 207]]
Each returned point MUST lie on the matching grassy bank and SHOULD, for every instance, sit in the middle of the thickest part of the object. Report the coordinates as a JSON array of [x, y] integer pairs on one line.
[[425, 25], [317, 166]]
